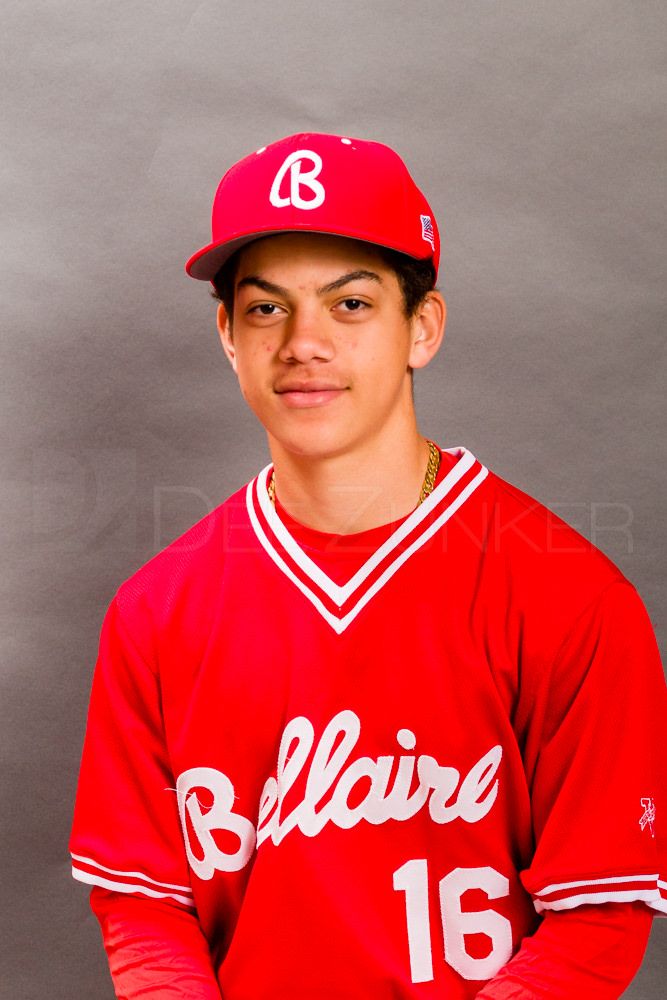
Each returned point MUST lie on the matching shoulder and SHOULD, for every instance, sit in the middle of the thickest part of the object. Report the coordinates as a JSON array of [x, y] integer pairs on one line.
[[528, 534], [565, 609], [527, 567], [181, 579]]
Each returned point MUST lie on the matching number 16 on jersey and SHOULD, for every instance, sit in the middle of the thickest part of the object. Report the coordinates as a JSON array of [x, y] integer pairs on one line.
[[412, 879]]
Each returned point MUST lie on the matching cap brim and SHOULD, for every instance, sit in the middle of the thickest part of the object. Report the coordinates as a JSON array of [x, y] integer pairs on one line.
[[205, 264]]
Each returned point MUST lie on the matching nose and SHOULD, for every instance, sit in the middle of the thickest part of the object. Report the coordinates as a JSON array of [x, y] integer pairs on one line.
[[306, 337]]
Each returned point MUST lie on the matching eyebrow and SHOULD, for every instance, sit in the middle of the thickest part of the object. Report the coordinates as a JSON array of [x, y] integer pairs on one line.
[[273, 289], [346, 278], [263, 284]]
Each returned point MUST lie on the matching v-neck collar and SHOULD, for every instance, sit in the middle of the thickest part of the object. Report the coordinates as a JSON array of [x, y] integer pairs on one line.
[[339, 604]]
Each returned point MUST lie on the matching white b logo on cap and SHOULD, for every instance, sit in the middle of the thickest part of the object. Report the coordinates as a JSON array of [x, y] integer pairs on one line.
[[297, 178]]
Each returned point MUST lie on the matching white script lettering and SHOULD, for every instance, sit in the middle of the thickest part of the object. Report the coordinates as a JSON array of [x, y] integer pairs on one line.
[[331, 776], [219, 817]]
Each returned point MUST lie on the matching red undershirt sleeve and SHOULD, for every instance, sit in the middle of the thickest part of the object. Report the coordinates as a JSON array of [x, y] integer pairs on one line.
[[590, 952], [587, 953], [155, 948]]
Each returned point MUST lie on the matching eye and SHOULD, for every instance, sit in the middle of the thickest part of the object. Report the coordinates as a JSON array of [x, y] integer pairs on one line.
[[265, 309], [352, 305]]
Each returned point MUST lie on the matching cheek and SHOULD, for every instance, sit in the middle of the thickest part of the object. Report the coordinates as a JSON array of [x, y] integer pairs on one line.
[[252, 359], [253, 371], [257, 349]]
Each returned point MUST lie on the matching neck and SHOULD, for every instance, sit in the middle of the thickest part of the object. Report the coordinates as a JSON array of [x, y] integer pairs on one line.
[[344, 494]]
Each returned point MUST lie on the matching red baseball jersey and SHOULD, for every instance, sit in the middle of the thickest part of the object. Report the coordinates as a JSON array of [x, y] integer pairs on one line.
[[373, 788]]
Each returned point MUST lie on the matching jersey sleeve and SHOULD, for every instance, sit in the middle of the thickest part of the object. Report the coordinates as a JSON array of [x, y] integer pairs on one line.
[[596, 763], [126, 834]]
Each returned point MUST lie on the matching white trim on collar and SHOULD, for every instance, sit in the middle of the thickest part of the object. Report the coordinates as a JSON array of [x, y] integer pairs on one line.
[[315, 584]]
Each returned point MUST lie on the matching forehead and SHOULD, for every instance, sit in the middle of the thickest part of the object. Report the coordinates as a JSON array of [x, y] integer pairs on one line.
[[298, 253]]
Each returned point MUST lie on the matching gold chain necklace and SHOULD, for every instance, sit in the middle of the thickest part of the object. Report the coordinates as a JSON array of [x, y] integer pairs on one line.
[[427, 485], [431, 471]]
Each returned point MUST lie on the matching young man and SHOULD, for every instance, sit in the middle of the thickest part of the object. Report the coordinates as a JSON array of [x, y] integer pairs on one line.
[[381, 725]]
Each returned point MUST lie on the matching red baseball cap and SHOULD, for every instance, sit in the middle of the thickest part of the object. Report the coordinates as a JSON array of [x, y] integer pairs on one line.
[[320, 184]]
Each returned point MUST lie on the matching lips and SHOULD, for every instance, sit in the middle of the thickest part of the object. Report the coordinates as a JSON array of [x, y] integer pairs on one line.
[[315, 385], [317, 392]]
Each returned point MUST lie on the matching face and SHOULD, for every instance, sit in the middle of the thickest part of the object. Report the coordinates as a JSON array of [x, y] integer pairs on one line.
[[321, 344]]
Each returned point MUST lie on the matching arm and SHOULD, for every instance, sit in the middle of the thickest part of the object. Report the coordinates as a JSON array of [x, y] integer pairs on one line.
[[127, 840], [593, 747], [154, 948], [590, 952]]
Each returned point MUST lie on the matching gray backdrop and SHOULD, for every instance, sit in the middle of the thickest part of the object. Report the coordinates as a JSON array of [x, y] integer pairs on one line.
[[537, 130]]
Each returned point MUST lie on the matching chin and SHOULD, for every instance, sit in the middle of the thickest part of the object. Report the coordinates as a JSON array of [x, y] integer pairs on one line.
[[312, 443]]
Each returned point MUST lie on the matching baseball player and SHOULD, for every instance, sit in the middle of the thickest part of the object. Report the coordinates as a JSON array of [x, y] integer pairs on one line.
[[381, 725]]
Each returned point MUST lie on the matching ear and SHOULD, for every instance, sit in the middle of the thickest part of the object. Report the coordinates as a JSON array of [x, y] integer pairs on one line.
[[428, 327], [226, 335]]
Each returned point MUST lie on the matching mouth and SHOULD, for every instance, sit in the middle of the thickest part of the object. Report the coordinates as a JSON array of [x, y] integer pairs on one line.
[[308, 394]]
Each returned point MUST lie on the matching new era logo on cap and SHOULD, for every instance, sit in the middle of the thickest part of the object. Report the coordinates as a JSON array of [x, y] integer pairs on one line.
[[322, 184]]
